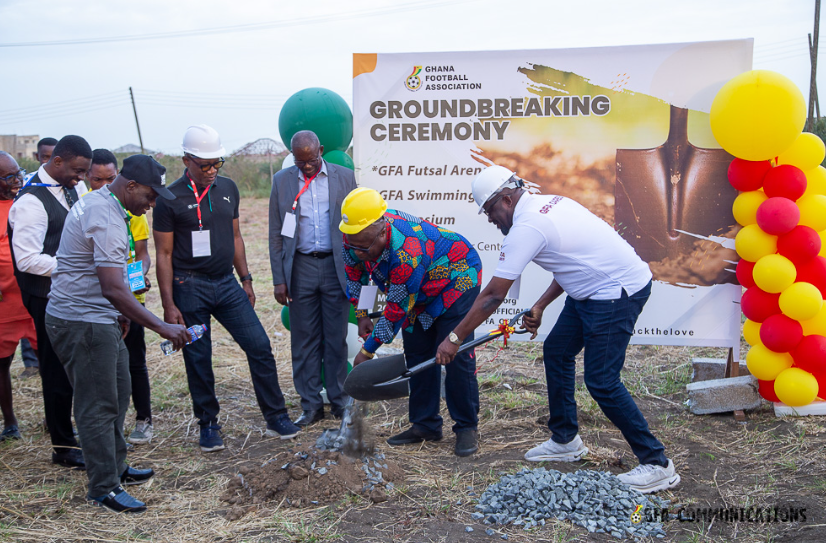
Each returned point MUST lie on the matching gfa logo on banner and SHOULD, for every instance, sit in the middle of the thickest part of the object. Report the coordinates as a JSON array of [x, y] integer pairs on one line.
[[413, 81]]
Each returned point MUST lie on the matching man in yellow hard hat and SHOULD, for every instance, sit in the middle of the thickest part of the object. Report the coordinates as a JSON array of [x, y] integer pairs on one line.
[[431, 277]]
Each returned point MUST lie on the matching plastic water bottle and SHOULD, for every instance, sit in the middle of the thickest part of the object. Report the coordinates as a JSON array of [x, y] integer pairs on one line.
[[194, 331]]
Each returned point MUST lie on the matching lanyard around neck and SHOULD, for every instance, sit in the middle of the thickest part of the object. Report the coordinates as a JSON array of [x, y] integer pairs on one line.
[[198, 199], [128, 228], [306, 184]]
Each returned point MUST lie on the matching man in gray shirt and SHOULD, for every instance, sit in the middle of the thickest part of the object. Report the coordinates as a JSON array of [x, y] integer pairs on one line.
[[89, 298]]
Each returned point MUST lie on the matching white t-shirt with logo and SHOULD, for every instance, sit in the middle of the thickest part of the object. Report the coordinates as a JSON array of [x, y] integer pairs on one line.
[[588, 258]]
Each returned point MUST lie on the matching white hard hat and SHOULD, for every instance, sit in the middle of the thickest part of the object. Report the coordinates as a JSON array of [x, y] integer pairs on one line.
[[490, 181], [203, 141]]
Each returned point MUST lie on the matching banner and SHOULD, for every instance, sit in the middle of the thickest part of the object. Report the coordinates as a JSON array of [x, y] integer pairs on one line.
[[622, 130]]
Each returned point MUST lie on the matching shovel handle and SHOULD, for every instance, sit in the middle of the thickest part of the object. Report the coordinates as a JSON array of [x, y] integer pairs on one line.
[[470, 345]]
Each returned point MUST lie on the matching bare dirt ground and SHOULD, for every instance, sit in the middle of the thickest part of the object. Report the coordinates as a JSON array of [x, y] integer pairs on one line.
[[766, 462]]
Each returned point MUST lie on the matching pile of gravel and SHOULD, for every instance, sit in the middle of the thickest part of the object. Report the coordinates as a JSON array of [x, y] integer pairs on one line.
[[595, 500]]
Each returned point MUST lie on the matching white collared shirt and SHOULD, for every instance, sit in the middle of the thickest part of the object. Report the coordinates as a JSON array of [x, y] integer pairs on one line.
[[30, 222]]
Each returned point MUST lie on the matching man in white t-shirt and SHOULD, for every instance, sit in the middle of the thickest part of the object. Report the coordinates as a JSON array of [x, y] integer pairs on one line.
[[607, 286]]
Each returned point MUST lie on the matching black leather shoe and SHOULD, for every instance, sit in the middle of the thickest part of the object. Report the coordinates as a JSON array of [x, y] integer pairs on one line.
[[309, 417], [337, 412], [467, 443], [411, 435], [134, 476], [71, 458]]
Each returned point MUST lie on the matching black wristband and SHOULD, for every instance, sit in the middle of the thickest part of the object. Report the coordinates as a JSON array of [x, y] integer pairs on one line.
[[247, 277]]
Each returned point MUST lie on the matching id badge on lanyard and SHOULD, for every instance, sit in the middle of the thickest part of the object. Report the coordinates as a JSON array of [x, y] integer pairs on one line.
[[200, 240], [289, 225], [369, 292]]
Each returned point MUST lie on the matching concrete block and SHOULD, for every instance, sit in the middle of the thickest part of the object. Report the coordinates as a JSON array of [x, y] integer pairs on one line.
[[712, 368], [815, 408], [723, 395]]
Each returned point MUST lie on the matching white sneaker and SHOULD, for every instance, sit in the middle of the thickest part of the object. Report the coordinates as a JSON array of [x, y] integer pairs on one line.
[[553, 451], [647, 478], [141, 434]]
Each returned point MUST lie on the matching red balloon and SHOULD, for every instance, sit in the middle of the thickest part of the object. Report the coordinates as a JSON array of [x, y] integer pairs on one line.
[[800, 245], [777, 216], [745, 273], [810, 354], [766, 389], [785, 181], [821, 381], [780, 333], [814, 272], [746, 175], [758, 305]]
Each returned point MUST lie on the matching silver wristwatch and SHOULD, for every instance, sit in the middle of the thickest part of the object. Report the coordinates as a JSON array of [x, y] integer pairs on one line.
[[453, 338]]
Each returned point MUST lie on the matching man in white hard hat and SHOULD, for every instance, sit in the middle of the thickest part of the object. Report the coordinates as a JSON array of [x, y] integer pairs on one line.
[[198, 242], [607, 286]]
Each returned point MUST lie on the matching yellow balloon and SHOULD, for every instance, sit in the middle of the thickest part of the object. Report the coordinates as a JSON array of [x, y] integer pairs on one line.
[[801, 301], [815, 181], [758, 115], [816, 326], [796, 387], [813, 211], [745, 206], [766, 364], [751, 332], [753, 244], [774, 273], [806, 152]]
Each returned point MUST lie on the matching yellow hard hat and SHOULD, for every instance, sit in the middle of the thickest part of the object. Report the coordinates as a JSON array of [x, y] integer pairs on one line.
[[361, 208]]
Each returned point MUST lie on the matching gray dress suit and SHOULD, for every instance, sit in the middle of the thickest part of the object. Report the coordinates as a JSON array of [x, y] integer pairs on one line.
[[319, 307]]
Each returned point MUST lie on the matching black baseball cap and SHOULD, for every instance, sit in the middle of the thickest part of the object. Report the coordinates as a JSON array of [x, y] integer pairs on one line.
[[145, 170]]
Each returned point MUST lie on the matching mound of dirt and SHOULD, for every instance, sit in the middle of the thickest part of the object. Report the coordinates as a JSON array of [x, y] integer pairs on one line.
[[311, 477]]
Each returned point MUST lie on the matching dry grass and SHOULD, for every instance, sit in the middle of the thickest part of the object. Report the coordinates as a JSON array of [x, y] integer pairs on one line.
[[766, 462]]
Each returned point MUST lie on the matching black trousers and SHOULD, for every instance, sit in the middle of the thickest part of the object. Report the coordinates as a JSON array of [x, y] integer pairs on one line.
[[57, 390], [136, 345]]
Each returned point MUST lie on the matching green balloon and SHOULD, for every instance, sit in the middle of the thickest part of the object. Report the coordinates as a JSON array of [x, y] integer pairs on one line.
[[340, 158], [285, 317], [352, 318], [320, 110]]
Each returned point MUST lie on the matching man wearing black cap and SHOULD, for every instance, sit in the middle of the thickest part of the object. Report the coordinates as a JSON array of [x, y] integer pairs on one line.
[[89, 298]]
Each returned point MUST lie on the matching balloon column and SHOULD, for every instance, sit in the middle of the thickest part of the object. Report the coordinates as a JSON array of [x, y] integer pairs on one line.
[[758, 117]]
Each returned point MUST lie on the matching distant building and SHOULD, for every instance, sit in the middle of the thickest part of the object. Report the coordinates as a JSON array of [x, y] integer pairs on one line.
[[132, 149], [20, 146]]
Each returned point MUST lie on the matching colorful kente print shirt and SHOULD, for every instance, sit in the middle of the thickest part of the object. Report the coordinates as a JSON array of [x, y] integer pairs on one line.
[[423, 270]]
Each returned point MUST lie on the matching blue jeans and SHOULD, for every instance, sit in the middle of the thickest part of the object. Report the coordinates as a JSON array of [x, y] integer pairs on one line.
[[461, 386], [199, 298], [604, 328]]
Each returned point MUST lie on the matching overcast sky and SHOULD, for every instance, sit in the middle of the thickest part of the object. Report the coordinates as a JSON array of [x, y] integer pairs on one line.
[[236, 79]]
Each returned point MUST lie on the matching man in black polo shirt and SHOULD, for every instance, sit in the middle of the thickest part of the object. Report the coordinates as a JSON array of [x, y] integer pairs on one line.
[[198, 241]]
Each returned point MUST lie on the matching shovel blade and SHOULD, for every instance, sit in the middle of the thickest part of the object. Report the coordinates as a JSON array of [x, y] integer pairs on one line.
[[362, 380]]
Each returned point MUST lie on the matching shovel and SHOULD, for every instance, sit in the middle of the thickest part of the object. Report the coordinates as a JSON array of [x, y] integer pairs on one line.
[[673, 187], [387, 378]]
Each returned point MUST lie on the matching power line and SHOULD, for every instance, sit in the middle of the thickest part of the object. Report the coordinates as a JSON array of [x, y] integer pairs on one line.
[[250, 27], [64, 103], [65, 113]]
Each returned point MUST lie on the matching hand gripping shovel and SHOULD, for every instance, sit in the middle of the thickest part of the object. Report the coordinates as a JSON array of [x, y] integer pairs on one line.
[[386, 378]]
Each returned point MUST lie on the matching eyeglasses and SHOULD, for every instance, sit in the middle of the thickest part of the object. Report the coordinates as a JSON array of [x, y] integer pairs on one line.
[[300, 163], [20, 174], [218, 164], [364, 249], [492, 204]]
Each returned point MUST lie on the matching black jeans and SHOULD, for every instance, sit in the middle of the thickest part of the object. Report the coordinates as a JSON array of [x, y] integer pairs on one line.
[[57, 390], [136, 345], [199, 298], [461, 386], [604, 328]]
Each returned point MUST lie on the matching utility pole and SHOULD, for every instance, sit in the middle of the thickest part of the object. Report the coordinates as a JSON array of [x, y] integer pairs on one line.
[[817, 98], [813, 83], [135, 110]]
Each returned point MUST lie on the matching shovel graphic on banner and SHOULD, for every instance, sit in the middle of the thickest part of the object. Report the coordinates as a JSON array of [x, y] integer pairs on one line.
[[675, 187]]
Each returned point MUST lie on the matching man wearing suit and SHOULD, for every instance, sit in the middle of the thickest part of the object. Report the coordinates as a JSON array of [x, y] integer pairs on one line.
[[308, 271]]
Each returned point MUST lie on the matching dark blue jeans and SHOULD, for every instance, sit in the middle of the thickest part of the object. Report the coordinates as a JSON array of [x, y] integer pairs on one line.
[[461, 386], [199, 298], [604, 328]]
